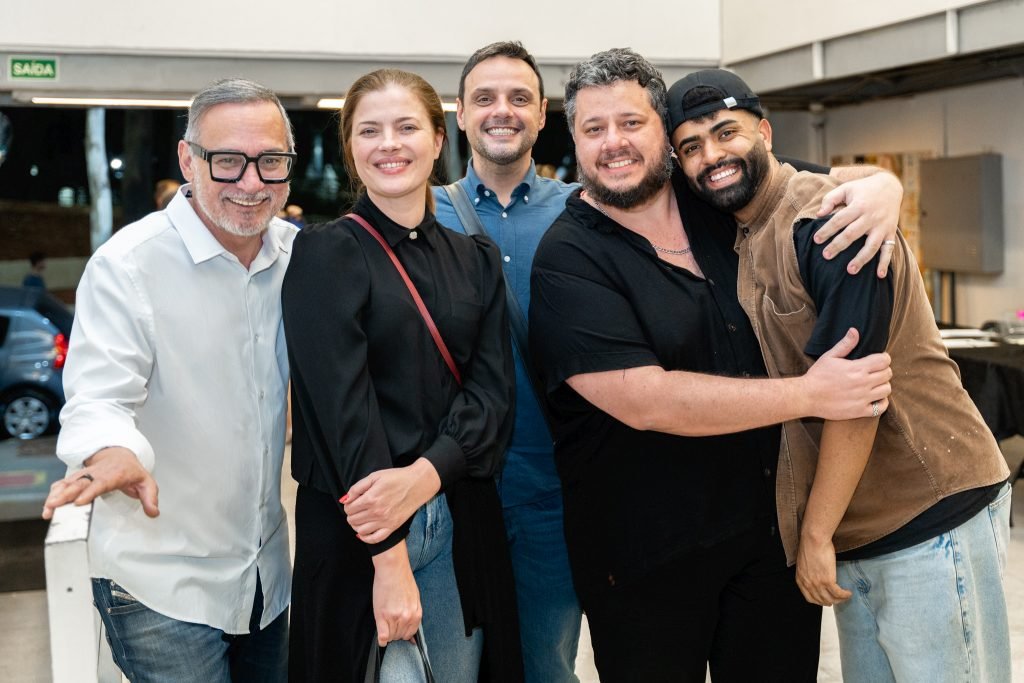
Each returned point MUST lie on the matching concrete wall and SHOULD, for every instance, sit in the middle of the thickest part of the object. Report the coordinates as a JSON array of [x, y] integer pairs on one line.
[[753, 27], [793, 136], [956, 122]]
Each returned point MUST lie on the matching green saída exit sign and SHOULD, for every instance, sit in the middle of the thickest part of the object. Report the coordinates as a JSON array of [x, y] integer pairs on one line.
[[32, 69]]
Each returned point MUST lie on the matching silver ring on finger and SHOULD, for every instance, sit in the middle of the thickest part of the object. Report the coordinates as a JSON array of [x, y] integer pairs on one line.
[[889, 243], [85, 475], [874, 409]]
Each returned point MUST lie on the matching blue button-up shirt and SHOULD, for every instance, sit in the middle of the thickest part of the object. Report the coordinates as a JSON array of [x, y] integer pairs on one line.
[[529, 472]]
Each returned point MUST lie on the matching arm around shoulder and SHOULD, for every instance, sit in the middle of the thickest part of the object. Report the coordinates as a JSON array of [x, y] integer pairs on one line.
[[870, 199]]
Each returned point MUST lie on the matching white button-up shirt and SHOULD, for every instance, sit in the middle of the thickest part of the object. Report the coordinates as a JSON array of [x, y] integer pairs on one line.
[[177, 353]]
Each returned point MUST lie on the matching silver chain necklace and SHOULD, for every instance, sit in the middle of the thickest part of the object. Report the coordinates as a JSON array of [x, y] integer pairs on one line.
[[663, 250], [674, 252]]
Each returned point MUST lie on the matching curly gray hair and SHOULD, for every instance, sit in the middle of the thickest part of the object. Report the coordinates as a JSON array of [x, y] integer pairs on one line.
[[611, 66]]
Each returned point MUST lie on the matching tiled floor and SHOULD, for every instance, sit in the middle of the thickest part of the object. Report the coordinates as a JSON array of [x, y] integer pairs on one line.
[[25, 641]]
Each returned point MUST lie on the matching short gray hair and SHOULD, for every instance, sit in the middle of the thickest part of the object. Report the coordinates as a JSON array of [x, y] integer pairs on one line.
[[612, 66], [232, 91]]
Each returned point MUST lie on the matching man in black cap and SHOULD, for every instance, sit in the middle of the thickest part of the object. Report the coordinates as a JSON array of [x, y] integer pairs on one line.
[[898, 519], [662, 415]]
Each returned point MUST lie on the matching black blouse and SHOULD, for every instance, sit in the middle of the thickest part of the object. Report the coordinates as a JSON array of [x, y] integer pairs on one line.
[[371, 390]]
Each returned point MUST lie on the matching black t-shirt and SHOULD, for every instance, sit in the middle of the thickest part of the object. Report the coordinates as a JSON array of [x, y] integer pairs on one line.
[[603, 300], [866, 302], [841, 300]]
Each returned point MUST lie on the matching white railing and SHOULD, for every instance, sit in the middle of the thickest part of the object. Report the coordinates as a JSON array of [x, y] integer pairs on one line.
[[78, 647]]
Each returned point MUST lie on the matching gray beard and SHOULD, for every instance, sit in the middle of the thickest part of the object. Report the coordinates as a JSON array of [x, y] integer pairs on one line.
[[219, 216], [657, 177]]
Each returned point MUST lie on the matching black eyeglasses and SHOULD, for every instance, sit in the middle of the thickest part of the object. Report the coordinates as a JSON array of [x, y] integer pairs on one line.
[[229, 167]]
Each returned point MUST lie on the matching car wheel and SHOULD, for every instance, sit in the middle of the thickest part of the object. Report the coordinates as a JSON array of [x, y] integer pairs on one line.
[[27, 413]]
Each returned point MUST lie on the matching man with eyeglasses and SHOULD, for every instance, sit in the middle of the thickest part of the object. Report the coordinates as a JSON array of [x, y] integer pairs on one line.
[[177, 373]]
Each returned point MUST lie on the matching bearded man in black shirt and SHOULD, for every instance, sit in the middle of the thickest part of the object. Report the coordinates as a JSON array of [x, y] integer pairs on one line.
[[646, 356]]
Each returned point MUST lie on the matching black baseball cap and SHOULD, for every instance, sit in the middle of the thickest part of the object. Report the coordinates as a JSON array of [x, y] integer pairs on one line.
[[737, 95]]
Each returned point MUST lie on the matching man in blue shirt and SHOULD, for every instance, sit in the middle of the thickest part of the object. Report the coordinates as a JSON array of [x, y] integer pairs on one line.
[[501, 107]]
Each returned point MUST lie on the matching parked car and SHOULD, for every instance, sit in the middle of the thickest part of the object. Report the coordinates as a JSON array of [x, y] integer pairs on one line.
[[34, 332]]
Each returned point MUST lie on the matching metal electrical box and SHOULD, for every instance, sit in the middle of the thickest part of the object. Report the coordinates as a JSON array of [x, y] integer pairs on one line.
[[962, 213]]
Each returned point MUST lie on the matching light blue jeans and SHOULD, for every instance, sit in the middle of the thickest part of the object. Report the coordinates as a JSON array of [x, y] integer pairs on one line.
[[549, 612], [453, 657], [934, 612]]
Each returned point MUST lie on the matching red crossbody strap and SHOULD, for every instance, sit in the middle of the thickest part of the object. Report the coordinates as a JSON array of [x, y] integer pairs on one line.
[[415, 295]]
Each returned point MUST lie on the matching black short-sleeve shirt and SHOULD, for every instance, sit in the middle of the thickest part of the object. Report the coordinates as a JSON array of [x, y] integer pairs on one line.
[[841, 300], [603, 300], [865, 302]]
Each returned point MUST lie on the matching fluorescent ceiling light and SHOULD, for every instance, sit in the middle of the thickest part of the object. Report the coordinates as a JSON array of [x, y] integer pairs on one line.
[[339, 102], [111, 102]]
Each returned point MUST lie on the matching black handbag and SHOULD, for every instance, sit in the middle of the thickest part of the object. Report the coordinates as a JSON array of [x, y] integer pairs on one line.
[[378, 657]]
